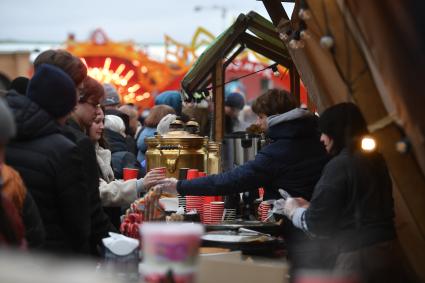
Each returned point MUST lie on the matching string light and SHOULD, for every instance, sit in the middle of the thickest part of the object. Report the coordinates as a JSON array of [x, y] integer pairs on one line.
[[206, 91], [327, 41], [304, 12], [368, 144], [275, 71]]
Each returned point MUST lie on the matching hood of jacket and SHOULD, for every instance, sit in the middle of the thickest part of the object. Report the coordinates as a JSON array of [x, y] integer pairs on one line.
[[31, 120], [297, 123]]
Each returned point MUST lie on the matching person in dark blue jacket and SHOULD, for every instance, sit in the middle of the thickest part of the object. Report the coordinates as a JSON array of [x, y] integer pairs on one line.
[[293, 161]]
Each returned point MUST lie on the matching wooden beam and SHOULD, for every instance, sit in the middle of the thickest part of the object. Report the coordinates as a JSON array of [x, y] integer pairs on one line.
[[275, 10], [234, 55], [264, 48], [218, 96]]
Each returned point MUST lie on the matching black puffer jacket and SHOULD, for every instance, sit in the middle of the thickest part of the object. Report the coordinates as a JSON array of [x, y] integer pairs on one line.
[[50, 167], [100, 222]]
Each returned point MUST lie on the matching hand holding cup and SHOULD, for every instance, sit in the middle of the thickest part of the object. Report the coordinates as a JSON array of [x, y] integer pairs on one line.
[[153, 177]]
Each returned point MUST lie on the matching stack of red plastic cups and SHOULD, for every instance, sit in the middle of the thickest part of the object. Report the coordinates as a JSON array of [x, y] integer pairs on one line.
[[263, 210], [194, 202]]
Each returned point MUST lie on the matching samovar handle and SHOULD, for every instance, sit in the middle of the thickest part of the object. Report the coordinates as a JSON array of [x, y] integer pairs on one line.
[[171, 163]]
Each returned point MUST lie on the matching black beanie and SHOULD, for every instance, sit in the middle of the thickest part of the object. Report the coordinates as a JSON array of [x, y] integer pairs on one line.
[[53, 90], [344, 123]]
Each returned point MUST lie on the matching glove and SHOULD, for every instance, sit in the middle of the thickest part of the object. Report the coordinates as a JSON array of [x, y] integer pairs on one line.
[[278, 206], [289, 207], [168, 185], [291, 204]]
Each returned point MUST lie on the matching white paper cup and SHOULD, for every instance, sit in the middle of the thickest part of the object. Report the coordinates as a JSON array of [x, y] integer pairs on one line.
[[170, 246]]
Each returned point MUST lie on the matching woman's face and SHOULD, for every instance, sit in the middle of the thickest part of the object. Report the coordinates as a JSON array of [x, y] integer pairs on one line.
[[96, 128], [327, 142], [262, 122]]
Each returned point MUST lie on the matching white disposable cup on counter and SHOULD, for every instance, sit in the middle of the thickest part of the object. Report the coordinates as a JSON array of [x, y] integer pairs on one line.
[[170, 247]]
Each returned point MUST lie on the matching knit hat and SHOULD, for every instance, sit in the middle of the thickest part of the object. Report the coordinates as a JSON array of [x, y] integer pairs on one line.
[[7, 122], [111, 95], [171, 98], [53, 90], [115, 124], [234, 100]]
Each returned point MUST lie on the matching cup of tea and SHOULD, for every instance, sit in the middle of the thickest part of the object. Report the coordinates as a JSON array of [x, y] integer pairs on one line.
[[130, 173], [170, 248]]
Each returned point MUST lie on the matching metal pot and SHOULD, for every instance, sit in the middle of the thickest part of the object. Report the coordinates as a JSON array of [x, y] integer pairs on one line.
[[175, 150], [238, 148]]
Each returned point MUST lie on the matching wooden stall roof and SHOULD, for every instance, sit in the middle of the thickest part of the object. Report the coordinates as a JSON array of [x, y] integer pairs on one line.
[[375, 61], [248, 31]]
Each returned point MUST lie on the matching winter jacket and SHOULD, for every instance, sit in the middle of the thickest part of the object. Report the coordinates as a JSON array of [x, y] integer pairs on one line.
[[51, 169], [293, 161], [114, 192], [100, 222], [141, 145], [15, 190], [352, 202], [121, 157]]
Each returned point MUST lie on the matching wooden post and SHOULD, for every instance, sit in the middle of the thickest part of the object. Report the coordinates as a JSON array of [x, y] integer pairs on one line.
[[295, 83], [218, 96]]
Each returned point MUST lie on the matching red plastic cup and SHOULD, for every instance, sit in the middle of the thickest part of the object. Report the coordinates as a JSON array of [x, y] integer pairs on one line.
[[130, 173], [161, 170], [202, 174], [192, 174], [216, 211]]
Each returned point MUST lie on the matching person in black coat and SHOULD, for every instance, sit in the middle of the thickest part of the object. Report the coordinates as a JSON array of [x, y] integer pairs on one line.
[[116, 139], [352, 203], [48, 162], [83, 116], [293, 161]]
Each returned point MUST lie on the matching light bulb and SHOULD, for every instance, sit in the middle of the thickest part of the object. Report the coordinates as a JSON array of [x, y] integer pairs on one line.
[[283, 36], [368, 144], [327, 41], [293, 44], [300, 44], [304, 14], [305, 34]]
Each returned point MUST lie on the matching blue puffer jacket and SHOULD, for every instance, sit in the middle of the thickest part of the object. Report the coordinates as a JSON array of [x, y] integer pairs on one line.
[[293, 161]]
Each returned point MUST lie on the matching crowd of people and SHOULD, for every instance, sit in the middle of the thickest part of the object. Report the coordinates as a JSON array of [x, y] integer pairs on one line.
[[65, 139]]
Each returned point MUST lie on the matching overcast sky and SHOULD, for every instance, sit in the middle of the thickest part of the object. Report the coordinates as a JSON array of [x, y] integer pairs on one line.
[[140, 20]]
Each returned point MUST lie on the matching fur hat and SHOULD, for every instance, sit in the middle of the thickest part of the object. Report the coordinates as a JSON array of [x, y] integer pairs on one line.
[[53, 90], [111, 95]]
